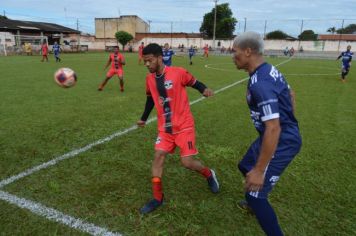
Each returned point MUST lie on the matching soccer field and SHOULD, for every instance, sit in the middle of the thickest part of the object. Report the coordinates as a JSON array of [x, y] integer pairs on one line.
[[103, 185]]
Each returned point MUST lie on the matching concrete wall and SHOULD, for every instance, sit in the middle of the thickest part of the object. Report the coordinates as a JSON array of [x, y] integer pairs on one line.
[[319, 46], [107, 27]]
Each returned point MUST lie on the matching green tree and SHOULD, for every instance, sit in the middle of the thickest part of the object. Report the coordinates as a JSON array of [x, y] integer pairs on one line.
[[277, 34], [3, 17], [308, 35], [123, 38], [225, 22], [350, 29]]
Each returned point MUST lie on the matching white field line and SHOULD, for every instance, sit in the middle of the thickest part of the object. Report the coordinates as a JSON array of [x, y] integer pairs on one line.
[[54, 215], [100, 141]]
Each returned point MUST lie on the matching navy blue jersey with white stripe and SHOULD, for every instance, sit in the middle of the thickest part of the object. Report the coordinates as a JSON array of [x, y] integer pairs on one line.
[[167, 57], [268, 97], [56, 48], [346, 58], [191, 51]]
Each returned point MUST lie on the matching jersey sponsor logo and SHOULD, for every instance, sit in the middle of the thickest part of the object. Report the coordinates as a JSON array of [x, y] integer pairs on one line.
[[276, 75], [274, 179], [168, 84], [162, 101], [158, 140], [167, 124]]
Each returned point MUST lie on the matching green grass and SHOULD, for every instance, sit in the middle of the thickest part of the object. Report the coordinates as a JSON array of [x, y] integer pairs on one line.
[[109, 183]]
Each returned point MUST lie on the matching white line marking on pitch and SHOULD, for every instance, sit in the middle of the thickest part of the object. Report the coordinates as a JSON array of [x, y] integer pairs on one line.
[[101, 141], [54, 215]]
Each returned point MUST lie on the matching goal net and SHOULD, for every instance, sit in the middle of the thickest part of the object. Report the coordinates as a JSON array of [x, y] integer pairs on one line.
[[21, 44]]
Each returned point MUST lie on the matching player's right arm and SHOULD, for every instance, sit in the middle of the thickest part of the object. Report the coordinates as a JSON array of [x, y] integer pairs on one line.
[[148, 108], [339, 57]]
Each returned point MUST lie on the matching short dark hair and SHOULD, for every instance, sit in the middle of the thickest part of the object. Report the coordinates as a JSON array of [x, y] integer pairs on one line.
[[153, 48]]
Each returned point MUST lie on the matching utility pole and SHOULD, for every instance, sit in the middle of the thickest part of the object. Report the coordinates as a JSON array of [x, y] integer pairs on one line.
[[245, 24], [149, 26], [216, 1], [78, 40], [4, 13], [301, 31], [171, 33], [264, 31], [342, 27]]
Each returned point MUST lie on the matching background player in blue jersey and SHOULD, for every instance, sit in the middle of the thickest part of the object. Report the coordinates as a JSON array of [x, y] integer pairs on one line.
[[346, 62], [191, 53], [167, 55], [56, 50], [272, 111]]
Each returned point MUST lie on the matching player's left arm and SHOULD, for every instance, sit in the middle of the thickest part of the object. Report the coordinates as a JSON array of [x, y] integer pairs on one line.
[[122, 60], [205, 91], [255, 178], [189, 80]]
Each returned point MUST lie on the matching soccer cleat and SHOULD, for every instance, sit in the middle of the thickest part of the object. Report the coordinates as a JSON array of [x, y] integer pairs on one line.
[[243, 205], [213, 182], [151, 206], [122, 90], [100, 89]]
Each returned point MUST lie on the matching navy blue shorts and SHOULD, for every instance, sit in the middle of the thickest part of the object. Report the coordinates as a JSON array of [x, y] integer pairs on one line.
[[273, 171]]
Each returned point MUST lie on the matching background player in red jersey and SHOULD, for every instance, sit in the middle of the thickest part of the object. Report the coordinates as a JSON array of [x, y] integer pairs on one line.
[[117, 60], [206, 51], [44, 49], [165, 89], [140, 55]]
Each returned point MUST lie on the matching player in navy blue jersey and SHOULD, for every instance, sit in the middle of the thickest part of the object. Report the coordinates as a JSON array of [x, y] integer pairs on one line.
[[346, 62], [56, 51], [191, 53], [271, 105], [167, 55]]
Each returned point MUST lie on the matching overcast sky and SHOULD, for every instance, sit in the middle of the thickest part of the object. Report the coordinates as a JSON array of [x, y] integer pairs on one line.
[[187, 15]]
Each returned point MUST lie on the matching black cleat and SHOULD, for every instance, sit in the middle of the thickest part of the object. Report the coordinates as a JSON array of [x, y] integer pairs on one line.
[[151, 206]]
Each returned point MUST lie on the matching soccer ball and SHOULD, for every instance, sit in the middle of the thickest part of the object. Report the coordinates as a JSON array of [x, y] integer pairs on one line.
[[65, 77]]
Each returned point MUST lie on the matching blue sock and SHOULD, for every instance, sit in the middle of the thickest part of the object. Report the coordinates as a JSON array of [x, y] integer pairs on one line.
[[265, 215]]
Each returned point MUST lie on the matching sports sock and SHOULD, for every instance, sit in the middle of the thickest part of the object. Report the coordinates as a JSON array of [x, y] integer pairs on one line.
[[265, 215], [121, 84], [157, 188], [205, 172]]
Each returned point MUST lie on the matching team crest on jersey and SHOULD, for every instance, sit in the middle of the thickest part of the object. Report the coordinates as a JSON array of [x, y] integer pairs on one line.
[[158, 140], [168, 84]]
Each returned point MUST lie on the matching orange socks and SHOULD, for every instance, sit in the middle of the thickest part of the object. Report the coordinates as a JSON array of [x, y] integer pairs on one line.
[[157, 188], [205, 172]]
